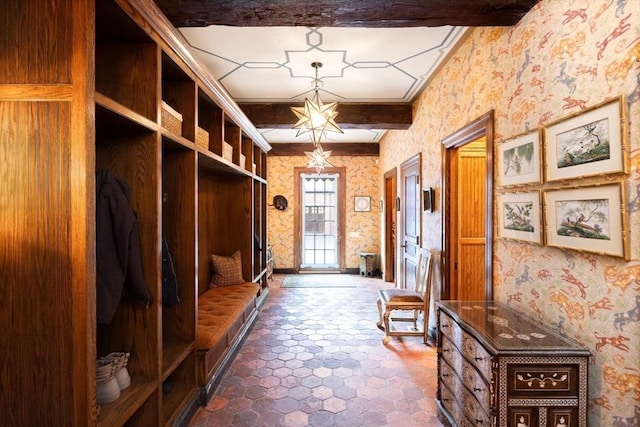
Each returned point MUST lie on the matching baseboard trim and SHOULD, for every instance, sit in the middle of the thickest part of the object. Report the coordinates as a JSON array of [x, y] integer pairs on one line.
[[344, 271]]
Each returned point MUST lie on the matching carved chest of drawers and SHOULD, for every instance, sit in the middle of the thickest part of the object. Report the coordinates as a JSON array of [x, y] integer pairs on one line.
[[497, 368]]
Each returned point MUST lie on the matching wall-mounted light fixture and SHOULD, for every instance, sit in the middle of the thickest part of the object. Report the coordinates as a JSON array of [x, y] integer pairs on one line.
[[427, 199]]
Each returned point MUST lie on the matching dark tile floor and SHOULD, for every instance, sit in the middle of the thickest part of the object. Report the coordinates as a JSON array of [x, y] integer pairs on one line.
[[315, 358]]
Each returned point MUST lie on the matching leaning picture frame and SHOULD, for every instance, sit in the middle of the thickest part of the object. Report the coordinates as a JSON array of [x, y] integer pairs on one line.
[[589, 219], [519, 216], [592, 142], [519, 160]]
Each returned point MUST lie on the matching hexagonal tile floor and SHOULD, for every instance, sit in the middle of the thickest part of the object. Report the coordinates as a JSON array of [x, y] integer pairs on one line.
[[315, 358]]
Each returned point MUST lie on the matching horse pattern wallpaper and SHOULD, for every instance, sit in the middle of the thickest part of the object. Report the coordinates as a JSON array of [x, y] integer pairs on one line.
[[563, 57]]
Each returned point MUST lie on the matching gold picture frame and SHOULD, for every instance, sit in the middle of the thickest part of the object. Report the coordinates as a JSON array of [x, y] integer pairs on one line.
[[519, 160], [590, 219], [592, 142], [519, 216]]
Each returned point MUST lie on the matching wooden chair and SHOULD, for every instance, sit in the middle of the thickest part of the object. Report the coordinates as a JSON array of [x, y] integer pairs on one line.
[[416, 300]]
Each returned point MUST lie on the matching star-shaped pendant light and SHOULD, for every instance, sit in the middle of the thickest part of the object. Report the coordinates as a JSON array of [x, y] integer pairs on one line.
[[318, 159], [316, 117]]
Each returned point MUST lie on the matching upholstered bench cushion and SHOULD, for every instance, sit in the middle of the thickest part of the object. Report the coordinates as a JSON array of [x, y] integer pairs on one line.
[[220, 309]]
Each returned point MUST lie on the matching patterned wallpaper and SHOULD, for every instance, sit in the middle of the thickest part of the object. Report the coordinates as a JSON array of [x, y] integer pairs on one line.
[[563, 57], [361, 180]]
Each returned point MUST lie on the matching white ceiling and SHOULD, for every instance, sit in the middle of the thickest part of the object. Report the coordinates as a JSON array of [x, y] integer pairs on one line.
[[368, 65]]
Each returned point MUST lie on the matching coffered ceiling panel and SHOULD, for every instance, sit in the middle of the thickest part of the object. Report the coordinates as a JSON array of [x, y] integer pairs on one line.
[[359, 65]]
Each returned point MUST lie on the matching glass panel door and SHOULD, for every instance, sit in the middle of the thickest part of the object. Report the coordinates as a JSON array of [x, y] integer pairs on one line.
[[320, 221]]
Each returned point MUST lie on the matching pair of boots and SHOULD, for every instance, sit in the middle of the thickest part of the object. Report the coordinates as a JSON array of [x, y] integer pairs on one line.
[[112, 376]]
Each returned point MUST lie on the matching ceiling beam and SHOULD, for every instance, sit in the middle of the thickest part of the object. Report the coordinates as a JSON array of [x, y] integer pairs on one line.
[[345, 13], [350, 116], [336, 148]]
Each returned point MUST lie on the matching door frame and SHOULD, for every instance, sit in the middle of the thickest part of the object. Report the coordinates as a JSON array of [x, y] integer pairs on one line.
[[391, 223], [297, 255], [482, 126]]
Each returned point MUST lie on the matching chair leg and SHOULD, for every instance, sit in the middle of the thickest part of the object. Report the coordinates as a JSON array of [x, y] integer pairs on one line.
[[379, 322], [385, 319], [425, 327]]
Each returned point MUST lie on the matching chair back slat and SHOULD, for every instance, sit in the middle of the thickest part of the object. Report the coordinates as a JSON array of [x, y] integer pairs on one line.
[[423, 282], [423, 272]]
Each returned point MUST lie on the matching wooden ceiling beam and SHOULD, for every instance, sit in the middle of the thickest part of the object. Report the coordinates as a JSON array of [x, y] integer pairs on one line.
[[345, 13], [336, 148], [350, 116]]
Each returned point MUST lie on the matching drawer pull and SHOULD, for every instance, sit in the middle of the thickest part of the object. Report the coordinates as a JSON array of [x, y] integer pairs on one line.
[[445, 325], [479, 421], [477, 389], [479, 358], [445, 375], [445, 350]]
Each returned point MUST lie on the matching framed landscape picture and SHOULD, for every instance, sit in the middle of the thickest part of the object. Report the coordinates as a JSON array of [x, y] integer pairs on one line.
[[519, 216], [593, 142], [519, 160], [591, 219]]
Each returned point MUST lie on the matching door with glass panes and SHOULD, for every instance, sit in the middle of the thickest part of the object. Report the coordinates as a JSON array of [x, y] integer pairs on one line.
[[320, 220]]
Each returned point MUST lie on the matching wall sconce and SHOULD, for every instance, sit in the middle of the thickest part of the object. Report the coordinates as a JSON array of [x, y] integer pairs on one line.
[[427, 199]]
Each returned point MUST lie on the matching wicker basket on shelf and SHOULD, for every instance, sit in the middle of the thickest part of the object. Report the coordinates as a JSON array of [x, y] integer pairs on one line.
[[171, 119], [227, 151], [202, 138]]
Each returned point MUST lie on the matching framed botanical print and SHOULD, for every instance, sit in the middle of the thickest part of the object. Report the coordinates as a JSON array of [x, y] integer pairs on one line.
[[519, 160], [593, 142], [591, 219], [519, 216]]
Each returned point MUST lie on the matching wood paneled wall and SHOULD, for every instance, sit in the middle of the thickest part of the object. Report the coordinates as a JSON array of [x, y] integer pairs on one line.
[[47, 258]]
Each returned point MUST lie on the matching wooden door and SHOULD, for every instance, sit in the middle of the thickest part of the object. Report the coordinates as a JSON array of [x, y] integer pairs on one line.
[[410, 220], [467, 269], [468, 222], [390, 217]]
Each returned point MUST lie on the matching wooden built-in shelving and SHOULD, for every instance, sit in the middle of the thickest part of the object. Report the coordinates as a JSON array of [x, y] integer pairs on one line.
[[184, 192]]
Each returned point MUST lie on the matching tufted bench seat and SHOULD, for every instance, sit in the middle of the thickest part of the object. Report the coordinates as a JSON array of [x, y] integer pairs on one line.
[[224, 316]]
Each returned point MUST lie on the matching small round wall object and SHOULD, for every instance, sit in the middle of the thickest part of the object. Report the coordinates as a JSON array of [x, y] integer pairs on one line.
[[280, 202]]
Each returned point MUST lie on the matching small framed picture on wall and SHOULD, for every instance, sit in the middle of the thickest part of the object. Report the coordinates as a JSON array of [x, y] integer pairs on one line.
[[362, 204], [519, 217], [519, 160], [592, 142], [590, 219]]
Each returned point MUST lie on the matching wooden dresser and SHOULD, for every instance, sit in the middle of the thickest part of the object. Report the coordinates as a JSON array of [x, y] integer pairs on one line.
[[498, 368]]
